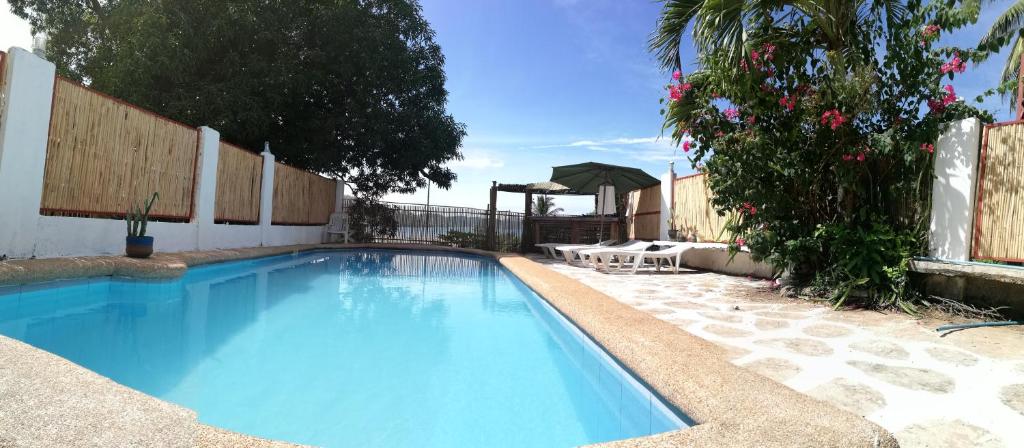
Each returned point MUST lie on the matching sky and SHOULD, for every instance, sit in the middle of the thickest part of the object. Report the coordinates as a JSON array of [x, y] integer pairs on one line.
[[542, 83]]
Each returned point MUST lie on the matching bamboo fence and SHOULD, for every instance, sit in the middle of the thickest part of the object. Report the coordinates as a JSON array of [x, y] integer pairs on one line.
[[693, 212], [301, 197], [1000, 211], [104, 156], [645, 213], [239, 177]]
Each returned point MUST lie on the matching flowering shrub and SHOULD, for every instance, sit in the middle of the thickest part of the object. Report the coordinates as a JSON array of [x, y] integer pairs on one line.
[[823, 156]]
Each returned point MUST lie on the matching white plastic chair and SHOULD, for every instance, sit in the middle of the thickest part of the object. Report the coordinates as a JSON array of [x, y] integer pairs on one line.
[[338, 225]]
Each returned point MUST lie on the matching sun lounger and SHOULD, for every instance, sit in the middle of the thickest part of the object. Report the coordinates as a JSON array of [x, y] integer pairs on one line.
[[600, 254], [551, 249], [672, 255]]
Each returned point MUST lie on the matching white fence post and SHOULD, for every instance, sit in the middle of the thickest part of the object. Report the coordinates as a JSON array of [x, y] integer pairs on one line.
[[668, 181], [206, 187], [953, 190], [24, 131], [267, 195]]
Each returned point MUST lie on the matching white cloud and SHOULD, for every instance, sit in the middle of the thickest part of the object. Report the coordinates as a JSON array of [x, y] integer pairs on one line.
[[648, 149], [475, 159]]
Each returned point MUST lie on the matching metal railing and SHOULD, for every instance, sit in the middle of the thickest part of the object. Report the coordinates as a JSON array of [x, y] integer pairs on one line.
[[453, 226]]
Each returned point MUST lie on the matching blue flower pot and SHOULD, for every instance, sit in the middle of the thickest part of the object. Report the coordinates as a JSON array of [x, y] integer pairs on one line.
[[138, 246]]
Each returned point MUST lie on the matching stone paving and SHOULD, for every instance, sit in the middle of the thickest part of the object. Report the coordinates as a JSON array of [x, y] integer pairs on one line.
[[961, 389]]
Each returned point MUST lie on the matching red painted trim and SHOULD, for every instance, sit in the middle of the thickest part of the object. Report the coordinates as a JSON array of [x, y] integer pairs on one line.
[[688, 176], [979, 209], [104, 215], [287, 223], [127, 104], [195, 168], [656, 212], [236, 222]]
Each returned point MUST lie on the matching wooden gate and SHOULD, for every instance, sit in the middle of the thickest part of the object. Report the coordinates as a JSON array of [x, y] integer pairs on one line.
[[999, 215]]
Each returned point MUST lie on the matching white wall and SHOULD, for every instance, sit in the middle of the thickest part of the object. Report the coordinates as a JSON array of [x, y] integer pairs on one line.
[[668, 181], [953, 190], [24, 130], [25, 233]]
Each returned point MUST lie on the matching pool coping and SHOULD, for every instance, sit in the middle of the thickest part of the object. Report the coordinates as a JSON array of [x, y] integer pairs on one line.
[[731, 405]]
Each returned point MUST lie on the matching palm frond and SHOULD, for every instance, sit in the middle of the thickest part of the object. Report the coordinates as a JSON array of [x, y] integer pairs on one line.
[[676, 15], [1008, 25]]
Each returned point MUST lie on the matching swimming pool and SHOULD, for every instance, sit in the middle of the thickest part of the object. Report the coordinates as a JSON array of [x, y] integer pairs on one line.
[[348, 348]]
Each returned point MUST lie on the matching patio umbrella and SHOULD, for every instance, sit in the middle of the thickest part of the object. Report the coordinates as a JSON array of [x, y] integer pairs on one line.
[[588, 177], [591, 176]]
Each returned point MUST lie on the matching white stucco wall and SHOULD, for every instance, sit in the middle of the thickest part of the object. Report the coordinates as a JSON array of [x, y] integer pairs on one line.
[[953, 190], [24, 130], [24, 233]]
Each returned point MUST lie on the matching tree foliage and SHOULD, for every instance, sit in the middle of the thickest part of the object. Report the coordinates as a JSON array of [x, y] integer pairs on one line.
[[353, 87], [544, 205], [823, 154]]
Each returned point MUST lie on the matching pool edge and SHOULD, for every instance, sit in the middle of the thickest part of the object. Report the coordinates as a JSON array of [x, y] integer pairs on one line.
[[732, 406]]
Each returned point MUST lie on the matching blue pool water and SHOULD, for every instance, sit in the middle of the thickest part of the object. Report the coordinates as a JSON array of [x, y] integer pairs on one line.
[[348, 348]]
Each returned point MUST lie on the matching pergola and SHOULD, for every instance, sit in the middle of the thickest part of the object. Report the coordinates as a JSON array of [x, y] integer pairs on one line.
[[528, 190]]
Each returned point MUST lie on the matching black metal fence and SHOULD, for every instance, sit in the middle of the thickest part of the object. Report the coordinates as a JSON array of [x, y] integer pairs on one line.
[[453, 226]]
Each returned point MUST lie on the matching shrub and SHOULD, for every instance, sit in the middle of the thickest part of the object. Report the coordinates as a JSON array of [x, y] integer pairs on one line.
[[369, 219], [825, 154]]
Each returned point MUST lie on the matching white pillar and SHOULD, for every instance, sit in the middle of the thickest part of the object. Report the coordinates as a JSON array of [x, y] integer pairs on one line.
[[953, 190], [24, 131], [266, 194], [668, 181], [206, 187]]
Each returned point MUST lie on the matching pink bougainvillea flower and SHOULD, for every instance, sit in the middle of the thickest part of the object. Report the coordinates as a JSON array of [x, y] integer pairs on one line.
[[931, 30], [861, 156], [950, 97], [686, 146], [847, 157], [955, 65], [748, 208], [714, 95], [719, 133], [755, 55], [741, 242], [928, 148], [935, 106], [833, 118], [752, 119], [769, 51], [676, 75], [675, 93], [686, 87], [731, 113], [744, 66]]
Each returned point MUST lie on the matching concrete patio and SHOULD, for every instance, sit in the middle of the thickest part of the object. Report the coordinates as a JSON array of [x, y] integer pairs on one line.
[[961, 389]]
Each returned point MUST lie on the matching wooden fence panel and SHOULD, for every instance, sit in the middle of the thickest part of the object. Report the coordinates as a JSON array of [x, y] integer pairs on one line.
[[693, 211], [301, 197], [104, 156], [645, 213], [1000, 209], [239, 178]]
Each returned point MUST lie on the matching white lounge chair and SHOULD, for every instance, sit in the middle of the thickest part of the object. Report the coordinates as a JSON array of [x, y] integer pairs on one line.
[[673, 255], [551, 249], [597, 255]]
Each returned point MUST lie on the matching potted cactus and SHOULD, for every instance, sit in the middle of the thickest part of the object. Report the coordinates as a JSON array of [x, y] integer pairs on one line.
[[137, 244]]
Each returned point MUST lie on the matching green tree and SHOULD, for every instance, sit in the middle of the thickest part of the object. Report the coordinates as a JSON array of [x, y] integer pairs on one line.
[[1008, 27], [728, 26], [353, 87], [544, 205]]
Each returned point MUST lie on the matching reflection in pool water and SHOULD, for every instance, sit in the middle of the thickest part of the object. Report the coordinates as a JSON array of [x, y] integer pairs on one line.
[[360, 348]]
